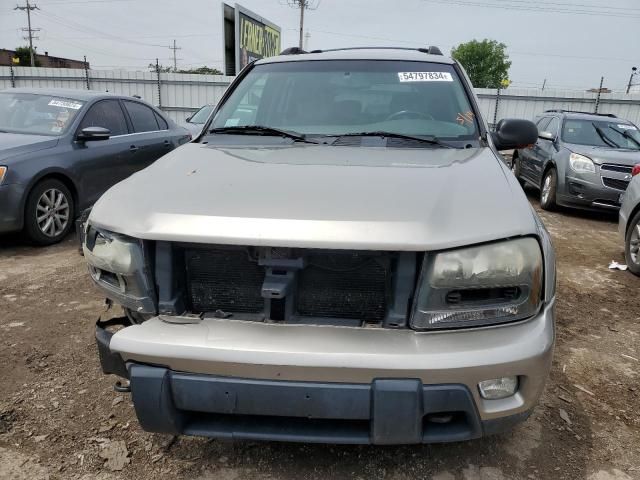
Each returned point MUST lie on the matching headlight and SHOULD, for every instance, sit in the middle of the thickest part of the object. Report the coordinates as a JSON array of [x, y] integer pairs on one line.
[[482, 285], [581, 164], [3, 172], [117, 264]]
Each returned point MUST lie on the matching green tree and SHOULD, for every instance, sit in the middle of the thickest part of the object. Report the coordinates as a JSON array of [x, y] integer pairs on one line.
[[202, 71], [24, 55], [486, 62], [163, 69]]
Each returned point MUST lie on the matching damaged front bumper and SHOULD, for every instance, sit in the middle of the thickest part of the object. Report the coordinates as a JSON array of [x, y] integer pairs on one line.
[[231, 378]]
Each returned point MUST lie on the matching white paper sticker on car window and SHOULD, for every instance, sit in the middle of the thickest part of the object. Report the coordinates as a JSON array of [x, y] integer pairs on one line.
[[65, 104], [622, 126], [425, 77], [232, 122]]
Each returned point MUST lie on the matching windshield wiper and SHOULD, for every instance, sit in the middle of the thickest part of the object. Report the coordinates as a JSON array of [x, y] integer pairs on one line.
[[261, 130], [604, 137], [430, 140], [626, 134]]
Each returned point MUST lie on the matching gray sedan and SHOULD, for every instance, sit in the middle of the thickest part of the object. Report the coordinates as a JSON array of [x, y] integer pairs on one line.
[[61, 149], [581, 160]]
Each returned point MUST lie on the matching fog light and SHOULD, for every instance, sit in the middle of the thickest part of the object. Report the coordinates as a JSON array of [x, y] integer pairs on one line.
[[498, 388]]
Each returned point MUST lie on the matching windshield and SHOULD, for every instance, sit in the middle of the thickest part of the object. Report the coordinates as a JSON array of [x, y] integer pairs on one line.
[[37, 114], [345, 97], [612, 133], [202, 115]]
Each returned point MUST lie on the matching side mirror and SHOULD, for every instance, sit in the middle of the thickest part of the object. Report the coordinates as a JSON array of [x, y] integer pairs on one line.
[[512, 133], [188, 119], [93, 133], [547, 136]]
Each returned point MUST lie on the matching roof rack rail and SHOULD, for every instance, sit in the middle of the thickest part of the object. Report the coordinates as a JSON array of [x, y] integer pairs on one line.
[[610, 115], [432, 50], [293, 51]]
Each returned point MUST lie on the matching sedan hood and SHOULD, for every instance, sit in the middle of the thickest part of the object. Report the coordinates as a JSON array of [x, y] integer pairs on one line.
[[14, 144], [602, 155], [320, 197]]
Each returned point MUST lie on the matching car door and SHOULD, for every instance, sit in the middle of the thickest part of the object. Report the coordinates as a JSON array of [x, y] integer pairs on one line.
[[545, 149], [532, 157], [151, 138], [99, 164]]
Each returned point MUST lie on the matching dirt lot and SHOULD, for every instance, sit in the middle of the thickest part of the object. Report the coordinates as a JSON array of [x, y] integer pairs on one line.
[[61, 419]]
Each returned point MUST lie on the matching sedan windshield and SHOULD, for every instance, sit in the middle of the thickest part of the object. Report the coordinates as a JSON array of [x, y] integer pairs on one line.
[[37, 114], [202, 115], [336, 97], [610, 133]]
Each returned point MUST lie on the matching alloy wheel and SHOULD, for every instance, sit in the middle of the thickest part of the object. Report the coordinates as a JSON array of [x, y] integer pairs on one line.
[[546, 188], [52, 212], [634, 244]]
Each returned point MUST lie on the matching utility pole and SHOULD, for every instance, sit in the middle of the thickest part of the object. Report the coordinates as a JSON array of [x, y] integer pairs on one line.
[[634, 72], [307, 36], [175, 59], [29, 30], [303, 5]]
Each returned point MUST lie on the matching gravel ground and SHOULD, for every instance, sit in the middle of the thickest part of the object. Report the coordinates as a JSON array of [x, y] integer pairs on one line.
[[61, 419]]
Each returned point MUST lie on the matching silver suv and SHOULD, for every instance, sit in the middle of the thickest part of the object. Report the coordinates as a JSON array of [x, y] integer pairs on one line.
[[581, 160], [340, 257]]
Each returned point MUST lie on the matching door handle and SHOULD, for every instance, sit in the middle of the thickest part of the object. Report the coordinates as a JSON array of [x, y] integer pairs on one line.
[[167, 144], [133, 149]]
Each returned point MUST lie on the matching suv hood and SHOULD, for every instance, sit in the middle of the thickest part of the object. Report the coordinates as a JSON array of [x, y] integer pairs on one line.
[[602, 155], [13, 144], [320, 197]]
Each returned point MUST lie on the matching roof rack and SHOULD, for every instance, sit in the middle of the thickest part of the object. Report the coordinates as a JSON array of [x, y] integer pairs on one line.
[[610, 115], [432, 50]]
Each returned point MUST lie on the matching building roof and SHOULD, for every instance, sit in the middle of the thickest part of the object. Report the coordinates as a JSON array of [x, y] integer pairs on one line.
[[398, 54]]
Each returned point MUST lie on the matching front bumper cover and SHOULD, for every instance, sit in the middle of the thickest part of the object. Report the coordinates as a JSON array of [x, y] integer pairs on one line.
[[365, 405]]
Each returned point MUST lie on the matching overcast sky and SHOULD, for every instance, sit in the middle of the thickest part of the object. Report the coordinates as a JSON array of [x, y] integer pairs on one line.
[[571, 43]]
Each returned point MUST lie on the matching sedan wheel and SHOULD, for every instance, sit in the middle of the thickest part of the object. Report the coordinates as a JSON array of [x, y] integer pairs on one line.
[[52, 212], [48, 215]]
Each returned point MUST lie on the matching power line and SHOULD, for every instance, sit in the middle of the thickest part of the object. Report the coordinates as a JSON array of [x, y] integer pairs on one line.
[[546, 8], [28, 8]]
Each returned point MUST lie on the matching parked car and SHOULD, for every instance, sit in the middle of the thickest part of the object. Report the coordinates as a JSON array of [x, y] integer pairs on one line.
[[352, 266], [629, 222], [195, 122], [61, 149], [581, 160]]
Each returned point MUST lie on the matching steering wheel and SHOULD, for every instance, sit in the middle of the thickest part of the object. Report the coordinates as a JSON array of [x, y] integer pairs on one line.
[[409, 114]]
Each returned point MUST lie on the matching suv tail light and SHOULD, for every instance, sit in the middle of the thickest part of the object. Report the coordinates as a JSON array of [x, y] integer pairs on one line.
[[636, 170]]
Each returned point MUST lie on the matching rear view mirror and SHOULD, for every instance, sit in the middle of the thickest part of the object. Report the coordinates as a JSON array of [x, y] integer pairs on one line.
[[512, 133], [94, 133], [547, 136]]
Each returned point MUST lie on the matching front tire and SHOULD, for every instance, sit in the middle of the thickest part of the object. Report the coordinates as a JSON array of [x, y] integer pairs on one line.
[[549, 189], [48, 215], [632, 245]]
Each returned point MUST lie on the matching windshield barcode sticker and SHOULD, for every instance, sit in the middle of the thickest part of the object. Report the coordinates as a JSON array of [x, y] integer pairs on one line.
[[63, 104], [425, 77]]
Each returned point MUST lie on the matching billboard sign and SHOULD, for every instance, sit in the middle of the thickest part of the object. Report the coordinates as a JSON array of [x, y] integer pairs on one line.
[[247, 37]]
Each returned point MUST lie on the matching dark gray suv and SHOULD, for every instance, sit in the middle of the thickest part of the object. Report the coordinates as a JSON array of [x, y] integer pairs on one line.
[[581, 160], [61, 149]]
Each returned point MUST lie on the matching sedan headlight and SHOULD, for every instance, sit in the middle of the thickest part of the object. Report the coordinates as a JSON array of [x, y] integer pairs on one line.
[[581, 164], [481, 285]]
